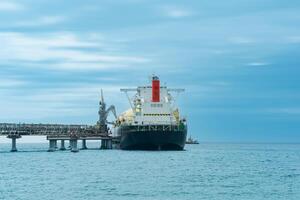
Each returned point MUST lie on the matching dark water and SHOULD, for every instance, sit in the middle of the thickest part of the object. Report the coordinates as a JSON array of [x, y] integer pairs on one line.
[[205, 171]]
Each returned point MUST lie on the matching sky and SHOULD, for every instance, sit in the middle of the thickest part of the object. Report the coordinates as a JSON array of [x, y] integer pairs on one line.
[[238, 61]]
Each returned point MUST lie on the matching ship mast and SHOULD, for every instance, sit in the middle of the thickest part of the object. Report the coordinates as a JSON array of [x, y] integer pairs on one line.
[[126, 90]]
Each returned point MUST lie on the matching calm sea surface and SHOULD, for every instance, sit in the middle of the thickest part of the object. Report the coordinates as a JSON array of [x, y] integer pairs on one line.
[[205, 171]]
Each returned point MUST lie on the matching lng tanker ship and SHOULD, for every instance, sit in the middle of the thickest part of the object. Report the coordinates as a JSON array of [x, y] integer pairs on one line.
[[152, 122]]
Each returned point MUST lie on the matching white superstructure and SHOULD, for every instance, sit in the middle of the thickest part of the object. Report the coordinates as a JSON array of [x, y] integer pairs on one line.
[[152, 105]]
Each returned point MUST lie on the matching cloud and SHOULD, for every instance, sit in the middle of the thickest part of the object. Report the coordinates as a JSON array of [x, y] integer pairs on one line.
[[241, 40], [93, 65], [43, 21], [67, 101], [62, 50], [49, 40], [8, 83], [258, 64], [74, 92], [176, 12], [290, 111], [294, 39], [10, 6]]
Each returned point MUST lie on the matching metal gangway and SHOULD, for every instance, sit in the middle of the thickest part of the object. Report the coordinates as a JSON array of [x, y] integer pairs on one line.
[[43, 129], [57, 132]]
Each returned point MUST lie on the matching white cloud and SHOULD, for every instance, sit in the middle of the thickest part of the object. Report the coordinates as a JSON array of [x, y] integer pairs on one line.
[[95, 65], [258, 64], [10, 6], [294, 39], [9, 82], [75, 92], [43, 21], [64, 49], [176, 12], [241, 40], [58, 39], [290, 111], [76, 100]]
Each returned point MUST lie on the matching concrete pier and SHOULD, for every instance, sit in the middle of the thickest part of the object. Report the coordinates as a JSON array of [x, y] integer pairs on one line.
[[102, 144], [52, 145], [13, 145], [62, 145], [55, 144], [73, 143], [83, 144], [69, 146], [14, 138], [106, 144], [109, 144], [64, 132]]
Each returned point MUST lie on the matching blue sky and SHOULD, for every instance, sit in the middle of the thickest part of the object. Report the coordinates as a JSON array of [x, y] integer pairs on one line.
[[238, 61]]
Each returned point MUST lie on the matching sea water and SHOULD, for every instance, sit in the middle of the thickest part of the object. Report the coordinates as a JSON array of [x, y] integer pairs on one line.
[[204, 171]]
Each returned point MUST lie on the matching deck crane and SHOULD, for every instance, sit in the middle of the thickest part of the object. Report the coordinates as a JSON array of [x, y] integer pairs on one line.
[[103, 114]]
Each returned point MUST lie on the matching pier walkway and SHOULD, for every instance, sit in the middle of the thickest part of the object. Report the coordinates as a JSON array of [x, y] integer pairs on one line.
[[58, 132]]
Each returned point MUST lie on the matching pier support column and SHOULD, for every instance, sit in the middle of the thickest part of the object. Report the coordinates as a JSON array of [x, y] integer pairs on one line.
[[13, 145], [51, 145], [69, 146], [55, 143], [62, 145], [109, 144], [14, 138], [103, 144], [73, 143], [106, 144], [84, 144]]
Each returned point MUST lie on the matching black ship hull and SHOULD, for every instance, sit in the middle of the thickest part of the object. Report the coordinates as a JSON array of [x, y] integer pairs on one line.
[[162, 137]]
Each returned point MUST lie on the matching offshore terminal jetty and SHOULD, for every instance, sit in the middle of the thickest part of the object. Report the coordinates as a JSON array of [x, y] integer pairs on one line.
[[152, 122], [64, 132]]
